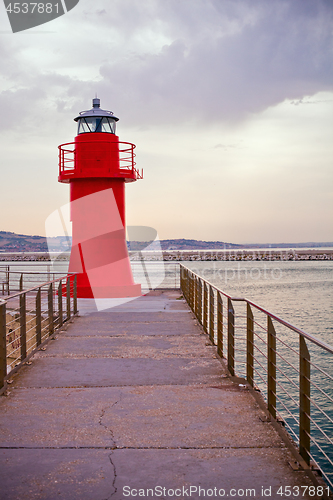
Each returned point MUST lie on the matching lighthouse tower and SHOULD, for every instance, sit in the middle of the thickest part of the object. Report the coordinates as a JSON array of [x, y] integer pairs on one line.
[[97, 166]]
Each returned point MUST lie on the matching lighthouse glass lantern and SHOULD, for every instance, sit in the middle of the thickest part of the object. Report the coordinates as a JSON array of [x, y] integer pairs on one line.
[[96, 120], [97, 166]]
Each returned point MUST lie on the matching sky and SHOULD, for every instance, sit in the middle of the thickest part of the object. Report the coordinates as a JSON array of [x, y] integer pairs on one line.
[[229, 103]]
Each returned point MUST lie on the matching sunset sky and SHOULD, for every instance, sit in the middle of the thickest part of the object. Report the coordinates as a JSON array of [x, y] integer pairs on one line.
[[230, 104]]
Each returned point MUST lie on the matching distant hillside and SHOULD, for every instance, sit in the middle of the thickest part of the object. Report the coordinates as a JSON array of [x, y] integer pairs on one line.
[[12, 242], [183, 244]]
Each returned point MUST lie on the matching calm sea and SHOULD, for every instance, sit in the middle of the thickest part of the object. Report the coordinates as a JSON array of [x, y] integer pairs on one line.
[[299, 292]]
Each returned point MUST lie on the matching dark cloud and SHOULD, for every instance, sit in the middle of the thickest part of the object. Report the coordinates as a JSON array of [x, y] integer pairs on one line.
[[285, 51], [222, 60]]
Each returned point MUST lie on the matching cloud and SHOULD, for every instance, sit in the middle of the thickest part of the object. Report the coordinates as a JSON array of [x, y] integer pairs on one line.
[[229, 146], [166, 62], [309, 101], [284, 51]]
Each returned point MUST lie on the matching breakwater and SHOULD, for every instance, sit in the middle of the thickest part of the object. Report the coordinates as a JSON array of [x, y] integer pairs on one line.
[[191, 255], [236, 255]]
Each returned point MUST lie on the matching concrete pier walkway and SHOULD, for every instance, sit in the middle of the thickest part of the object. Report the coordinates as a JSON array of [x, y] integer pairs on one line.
[[133, 399]]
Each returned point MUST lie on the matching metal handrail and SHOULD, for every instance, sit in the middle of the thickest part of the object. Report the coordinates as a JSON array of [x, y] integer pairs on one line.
[[126, 158], [18, 282], [205, 299], [308, 336], [30, 317], [27, 290]]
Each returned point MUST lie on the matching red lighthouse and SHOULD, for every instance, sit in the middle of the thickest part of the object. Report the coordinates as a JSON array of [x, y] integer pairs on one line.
[[97, 166]]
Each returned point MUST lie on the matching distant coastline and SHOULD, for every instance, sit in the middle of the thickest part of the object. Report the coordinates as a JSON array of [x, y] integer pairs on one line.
[[22, 245]]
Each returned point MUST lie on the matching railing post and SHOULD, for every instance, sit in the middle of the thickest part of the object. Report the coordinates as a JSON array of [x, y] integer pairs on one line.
[[38, 318], [75, 295], [271, 367], [68, 297], [187, 283], [21, 283], [60, 303], [3, 345], [196, 295], [182, 281], [189, 288], [176, 275], [192, 292], [219, 325], [23, 326], [249, 344], [205, 308], [231, 338], [50, 308], [199, 315], [211, 314], [304, 400], [8, 280]]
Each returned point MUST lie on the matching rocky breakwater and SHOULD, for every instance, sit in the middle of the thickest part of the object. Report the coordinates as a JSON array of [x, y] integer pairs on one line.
[[234, 255]]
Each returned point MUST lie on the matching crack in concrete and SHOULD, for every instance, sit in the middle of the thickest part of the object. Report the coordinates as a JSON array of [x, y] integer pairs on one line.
[[110, 431], [114, 476], [127, 336], [254, 447], [156, 384], [114, 446]]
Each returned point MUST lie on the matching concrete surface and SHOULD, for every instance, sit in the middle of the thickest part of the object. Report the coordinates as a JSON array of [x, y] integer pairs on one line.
[[136, 397]]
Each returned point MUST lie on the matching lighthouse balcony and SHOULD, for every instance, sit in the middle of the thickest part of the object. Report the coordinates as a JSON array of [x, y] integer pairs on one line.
[[85, 160]]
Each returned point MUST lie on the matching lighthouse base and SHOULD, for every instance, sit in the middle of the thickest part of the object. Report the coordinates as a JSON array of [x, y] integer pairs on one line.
[[91, 306], [108, 292]]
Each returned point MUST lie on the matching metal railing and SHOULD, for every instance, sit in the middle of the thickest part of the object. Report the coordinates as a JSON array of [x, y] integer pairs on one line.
[[30, 317], [16, 281], [68, 157], [5, 279], [291, 368]]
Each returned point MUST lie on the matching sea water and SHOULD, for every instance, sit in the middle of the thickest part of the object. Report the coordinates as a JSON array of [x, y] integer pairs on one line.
[[299, 292]]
